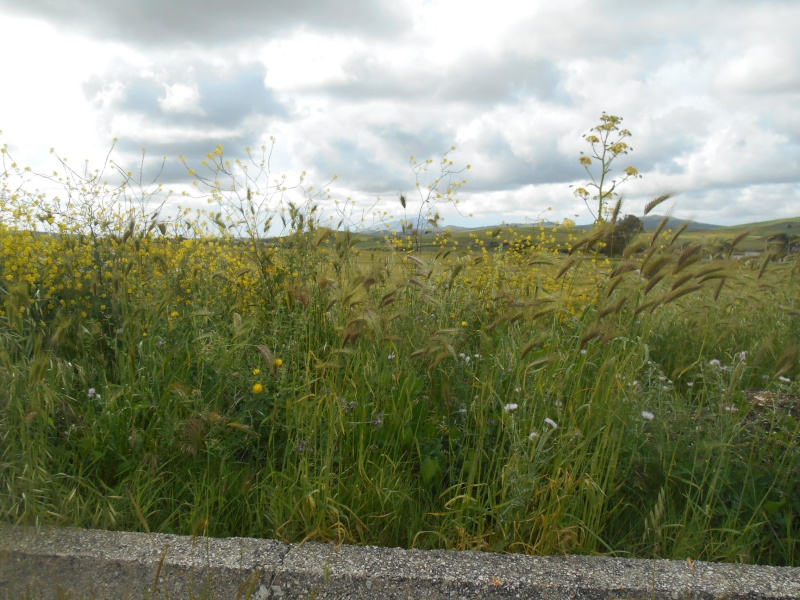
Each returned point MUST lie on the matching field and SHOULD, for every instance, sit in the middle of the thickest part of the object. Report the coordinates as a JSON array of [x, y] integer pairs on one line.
[[507, 390]]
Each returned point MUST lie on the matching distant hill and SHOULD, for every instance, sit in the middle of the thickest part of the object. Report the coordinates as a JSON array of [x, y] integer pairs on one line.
[[397, 226], [766, 228], [652, 221]]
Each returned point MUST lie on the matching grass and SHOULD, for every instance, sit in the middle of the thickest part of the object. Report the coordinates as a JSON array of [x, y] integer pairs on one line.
[[515, 398]]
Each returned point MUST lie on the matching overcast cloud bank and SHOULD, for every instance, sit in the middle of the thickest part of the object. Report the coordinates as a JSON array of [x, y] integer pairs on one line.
[[710, 90]]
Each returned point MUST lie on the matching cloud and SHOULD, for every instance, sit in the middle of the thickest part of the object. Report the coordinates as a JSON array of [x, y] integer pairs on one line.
[[742, 153], [181, 98], [477, 79], [155, 23], [354, 88], [740, 205], [501, 78], [522, 204], [184, 109], [761, 69]]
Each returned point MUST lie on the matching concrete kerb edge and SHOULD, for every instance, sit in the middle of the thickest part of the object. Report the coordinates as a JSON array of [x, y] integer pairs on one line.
[[78, 563]]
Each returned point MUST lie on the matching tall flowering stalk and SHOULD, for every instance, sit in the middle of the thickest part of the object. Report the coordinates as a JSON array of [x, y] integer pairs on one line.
[[608, 142]]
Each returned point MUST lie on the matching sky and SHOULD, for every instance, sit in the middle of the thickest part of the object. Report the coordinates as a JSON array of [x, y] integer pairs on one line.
[[709, 89]]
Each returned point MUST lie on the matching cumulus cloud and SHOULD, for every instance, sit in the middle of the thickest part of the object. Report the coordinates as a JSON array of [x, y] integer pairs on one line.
[[184, 109]]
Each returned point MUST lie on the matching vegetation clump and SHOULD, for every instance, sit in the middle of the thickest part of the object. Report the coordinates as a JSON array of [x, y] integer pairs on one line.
[[511, 390]]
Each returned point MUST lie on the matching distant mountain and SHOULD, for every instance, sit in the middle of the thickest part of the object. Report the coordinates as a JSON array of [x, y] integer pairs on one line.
[[542, 223], [650, 222], [397, 227]]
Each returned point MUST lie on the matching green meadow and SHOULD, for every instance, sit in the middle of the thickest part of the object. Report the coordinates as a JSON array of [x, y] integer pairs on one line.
[[509, 389]]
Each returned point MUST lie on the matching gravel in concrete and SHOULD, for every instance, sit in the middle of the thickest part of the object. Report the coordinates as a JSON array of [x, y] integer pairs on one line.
[[98, 564]]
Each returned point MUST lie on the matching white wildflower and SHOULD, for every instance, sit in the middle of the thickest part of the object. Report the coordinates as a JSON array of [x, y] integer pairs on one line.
[[552, 423], [648, 415], [511, 407]]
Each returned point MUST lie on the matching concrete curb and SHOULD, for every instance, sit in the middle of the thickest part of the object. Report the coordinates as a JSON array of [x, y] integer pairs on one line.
[[76, 563]]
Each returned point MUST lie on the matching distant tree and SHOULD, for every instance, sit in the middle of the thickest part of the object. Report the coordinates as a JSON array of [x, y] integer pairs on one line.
[[624, 231], [784, 243]]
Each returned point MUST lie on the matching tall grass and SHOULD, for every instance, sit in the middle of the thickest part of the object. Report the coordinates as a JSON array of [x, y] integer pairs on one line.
[[163, 376]]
